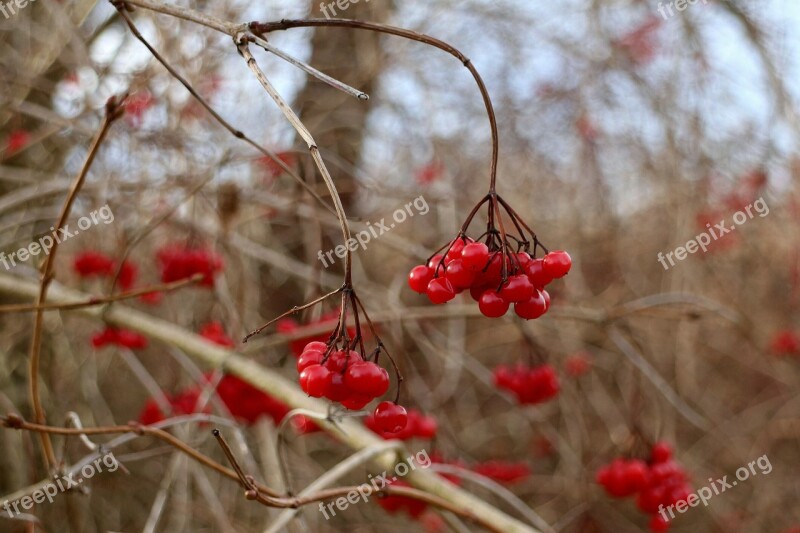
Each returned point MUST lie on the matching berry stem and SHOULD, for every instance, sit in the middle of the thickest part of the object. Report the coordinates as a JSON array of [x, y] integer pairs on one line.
[[293, 310]]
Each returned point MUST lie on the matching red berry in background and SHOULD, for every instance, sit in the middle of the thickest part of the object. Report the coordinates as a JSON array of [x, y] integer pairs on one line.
[[785, 342], [215, 332], [367, 378], [661, 452], [419, 277], [503, 472], [492, 305], [537, 274], [390, 417], [533, 308], [658, 523], [314, 380], [90, 263], [127, 275], [557, 264], [440, 291], [578, 364], [16, 141], [475, 255], [458, 275], [517, 289]]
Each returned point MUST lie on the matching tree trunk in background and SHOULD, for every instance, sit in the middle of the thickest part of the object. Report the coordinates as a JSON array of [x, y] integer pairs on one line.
[[337, 120]]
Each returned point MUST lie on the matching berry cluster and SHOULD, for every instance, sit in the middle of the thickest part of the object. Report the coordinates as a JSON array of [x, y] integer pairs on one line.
[[91, 264], [344, 376], [119, 337], [472, 266], [503, 472], [180, 262], [659, 482], [245, 403], [496, 268], [215, 332], [531, 385], [418, 425]]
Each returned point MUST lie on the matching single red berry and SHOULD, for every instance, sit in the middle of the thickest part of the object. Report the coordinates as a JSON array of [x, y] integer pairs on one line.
[[557, 264], [546, 296], [456, 247], [459, 276], [661, 452], [434, 264], [367, 379], [523, 258], [335, 389], [492, 305], [535, 307], [314, 380], [440, 291], [307, 359], [475, 255], [419, 277], [316, 346], [518, 289], [354, 403], [390, 417], [537, 274]]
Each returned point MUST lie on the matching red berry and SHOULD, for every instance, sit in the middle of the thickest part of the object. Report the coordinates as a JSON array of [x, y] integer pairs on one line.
[[492, 305], [367, 379], [316, 346], [314, 380], [557, 264], [455, 249], [537, 274], [459, 276], [440, 291], [533, 308], [335, 389], [546, 296], [339, 359], [419, 277], [390, 417], [354, 403], [307, 359], [434, 264], [517, 289], [523, 258], [475, 255]]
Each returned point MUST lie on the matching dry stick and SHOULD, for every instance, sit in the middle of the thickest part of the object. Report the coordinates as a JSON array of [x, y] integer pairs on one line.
[[260, 28], [113, 111], [225, 124], [252, 493], [293, 310], [333, 82], [298, 125], [165, 287], [16, 422]]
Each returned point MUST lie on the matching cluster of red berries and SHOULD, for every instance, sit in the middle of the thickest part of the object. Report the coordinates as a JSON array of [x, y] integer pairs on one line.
[[245, 403], [503, 472], [16, 141], [473, 266], [119, 337], [659, 482], [180, 262], [343, 376], [531, 385], [93, 264], [418, 425], [215, 332]]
